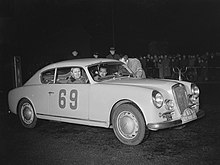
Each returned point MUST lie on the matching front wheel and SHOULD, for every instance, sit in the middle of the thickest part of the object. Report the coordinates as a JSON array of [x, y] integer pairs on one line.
[[128, 124], [26, 114]]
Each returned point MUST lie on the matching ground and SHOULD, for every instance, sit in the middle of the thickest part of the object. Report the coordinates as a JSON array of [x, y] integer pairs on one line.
[[62, 143]]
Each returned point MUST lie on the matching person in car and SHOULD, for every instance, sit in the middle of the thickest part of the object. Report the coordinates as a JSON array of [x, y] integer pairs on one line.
[[101, 73], [76, 77]]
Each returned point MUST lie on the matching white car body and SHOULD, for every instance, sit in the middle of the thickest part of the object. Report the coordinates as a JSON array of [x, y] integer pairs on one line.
[[94, 103]]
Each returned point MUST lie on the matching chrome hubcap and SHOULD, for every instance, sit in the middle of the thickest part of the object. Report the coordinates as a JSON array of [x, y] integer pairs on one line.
[[127, 125], [27, 113]]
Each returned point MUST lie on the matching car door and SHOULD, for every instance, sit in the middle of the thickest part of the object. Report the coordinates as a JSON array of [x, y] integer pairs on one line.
[[68, 100], [40, 92]]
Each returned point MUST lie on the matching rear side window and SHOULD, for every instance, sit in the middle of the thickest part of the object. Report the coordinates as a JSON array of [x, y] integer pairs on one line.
[[47, 77]]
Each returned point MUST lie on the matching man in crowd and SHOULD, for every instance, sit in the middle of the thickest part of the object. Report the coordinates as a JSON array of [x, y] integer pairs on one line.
[[112, 54], [96, 55], [75, 54], [135, 65]]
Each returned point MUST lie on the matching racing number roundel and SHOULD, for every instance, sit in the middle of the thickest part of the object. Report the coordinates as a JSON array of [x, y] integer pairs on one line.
[[71, 98]]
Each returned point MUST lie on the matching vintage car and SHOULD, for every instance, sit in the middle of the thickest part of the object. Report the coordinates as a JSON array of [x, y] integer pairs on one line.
[[131, 106]]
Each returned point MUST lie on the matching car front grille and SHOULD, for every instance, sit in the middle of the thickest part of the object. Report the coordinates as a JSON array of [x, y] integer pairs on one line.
[[180, 95]]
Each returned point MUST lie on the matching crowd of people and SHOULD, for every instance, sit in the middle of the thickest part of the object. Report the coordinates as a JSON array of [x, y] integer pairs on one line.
[[198, 67], [190, 67]]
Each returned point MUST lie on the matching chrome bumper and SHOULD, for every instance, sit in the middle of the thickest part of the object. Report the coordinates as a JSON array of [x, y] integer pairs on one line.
[[170, 124]]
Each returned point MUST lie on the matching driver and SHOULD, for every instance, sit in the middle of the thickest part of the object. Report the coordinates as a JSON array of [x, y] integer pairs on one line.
[[101, 74]]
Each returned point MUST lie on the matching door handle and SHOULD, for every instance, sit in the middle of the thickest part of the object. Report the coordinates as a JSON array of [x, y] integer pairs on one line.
[[51, 93]]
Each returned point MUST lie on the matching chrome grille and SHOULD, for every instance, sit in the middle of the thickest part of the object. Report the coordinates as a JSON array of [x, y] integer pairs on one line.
[[180, 96]]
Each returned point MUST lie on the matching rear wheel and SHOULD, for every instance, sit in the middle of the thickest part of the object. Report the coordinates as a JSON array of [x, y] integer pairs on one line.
[[26, 114], [128, 124]]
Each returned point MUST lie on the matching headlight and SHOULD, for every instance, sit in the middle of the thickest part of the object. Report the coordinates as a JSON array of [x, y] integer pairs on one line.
[[157, 99], [195, 90]]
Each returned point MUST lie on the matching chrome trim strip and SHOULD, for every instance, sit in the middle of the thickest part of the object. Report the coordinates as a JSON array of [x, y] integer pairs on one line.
[[71, 118]]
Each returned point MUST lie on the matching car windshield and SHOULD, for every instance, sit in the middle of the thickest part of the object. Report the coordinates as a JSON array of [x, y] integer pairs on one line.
[[109, 70]]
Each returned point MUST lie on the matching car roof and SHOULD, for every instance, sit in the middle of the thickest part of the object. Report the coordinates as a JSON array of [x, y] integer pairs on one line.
[[68, 63], [83, 62]]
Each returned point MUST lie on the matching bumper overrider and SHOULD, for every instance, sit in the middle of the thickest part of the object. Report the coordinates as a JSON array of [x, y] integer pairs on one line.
[[170, 124]]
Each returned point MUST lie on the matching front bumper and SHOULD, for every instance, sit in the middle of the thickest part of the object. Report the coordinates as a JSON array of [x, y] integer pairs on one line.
[[170, 124]]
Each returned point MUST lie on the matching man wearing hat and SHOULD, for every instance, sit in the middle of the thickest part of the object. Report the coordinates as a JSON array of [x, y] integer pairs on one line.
[[112, 54], [96, 55]]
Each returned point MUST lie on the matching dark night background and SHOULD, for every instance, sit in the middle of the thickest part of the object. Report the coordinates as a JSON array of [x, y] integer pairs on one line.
[[43, 31]]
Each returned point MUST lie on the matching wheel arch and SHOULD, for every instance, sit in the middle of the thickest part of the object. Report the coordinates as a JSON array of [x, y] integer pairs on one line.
[[124, 101], [25, 98]]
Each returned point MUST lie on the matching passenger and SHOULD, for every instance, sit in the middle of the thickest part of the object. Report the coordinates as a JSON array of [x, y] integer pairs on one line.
[[76, 77], [101, 74]]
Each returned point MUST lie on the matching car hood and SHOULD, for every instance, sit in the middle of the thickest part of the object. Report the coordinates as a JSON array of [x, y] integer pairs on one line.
[[150, 83]]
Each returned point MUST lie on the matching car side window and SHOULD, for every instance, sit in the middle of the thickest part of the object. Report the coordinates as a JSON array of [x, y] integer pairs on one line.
[[64, 76], [47, 77]]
